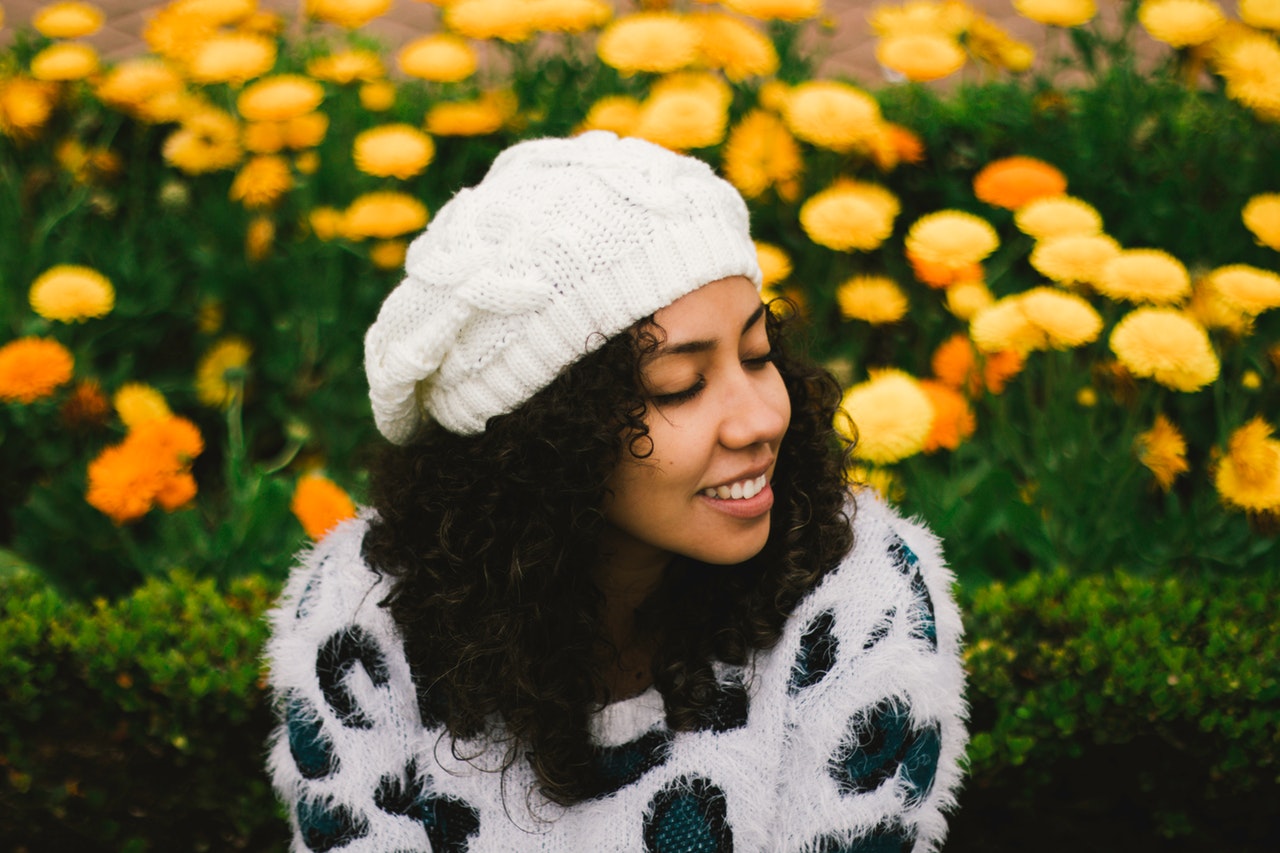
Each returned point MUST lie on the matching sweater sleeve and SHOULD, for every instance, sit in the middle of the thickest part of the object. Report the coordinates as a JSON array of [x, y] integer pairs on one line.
[[340, 756], [875, 696]]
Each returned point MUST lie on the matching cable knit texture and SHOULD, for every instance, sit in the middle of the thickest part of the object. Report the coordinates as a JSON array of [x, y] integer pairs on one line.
[[564, 243], [846, 736]]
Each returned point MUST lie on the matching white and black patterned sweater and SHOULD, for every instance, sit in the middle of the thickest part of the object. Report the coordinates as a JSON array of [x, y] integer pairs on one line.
[[846, 736]]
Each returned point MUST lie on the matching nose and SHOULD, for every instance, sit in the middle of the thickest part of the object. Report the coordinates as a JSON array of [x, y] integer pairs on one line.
[[756, 411]]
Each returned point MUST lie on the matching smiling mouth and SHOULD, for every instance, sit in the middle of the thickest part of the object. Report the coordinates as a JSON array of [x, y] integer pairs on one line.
[[741, 490]]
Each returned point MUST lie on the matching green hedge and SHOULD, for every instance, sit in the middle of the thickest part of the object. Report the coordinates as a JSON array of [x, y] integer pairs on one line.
[[1108, 713]]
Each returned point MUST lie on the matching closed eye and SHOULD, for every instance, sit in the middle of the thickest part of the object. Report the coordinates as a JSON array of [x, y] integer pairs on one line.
[[677, 397]]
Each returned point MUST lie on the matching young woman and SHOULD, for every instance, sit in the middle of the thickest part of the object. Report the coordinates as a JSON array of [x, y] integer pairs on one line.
[[613, 593]]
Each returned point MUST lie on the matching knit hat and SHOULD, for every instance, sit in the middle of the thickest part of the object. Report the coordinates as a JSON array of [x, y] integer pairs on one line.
[[565, 243]]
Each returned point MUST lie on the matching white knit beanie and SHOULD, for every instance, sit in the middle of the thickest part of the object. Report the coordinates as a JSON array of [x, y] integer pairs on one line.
[[565, 242]]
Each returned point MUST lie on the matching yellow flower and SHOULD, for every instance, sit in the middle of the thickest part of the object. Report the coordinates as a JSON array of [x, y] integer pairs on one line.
[[1211, 310], [388, 254], [347, 66], [832, 115], [144, 88], [221, 372], [1144, 275], [921, 16], [776, 10], [1167, 346], [231, 58], [259, 237], [1260, 14], [136, 402], [33, 368], [263, 137], [849, 216], [1261, 216], [1163, 451], [469, 118], [892, 414], [773, 95], [1074, 258], [69, 20], [1002, 326], [775, 266], [1248, 476], [1057, 13], [1181, 23], [350, 14], [326, 223], [25, 105], [734, 46], [71, 293], [617, 113], [64, 61], [761, 153], [261, 181], [921, 57], [1251, 380], [393, 151], [967, 298], [305, 131], [657, 42], [880, 480], [440, 58], [1046, 218], [307, 163], [875, 299], [1247, 289], [207, 141], [1064, 319], [568, 16], [1015, 181], [1250, 64], [278, 98], [989, 43], [509, 20], [952, 238], [685, 111], [320, 505], [383, 215]]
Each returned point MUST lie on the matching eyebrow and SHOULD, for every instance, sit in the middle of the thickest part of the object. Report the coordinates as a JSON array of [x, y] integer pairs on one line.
[[691, 347]]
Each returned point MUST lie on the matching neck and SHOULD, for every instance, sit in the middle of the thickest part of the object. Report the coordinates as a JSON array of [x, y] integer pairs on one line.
[[627, 575]]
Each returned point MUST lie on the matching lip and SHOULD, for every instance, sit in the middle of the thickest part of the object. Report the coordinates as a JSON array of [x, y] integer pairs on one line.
[[753, 507], [750, 474]]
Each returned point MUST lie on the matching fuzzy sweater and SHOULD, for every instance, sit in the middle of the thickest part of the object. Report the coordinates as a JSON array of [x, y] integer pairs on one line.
[[845, 736]]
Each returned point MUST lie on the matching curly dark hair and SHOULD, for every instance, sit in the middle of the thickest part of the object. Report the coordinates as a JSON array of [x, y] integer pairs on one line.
[[489, 541]]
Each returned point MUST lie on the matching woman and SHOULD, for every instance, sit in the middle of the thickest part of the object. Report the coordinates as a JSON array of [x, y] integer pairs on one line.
[[614, 593]]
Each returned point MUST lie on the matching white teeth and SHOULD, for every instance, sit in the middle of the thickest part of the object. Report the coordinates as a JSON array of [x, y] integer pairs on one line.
[[740, 490]]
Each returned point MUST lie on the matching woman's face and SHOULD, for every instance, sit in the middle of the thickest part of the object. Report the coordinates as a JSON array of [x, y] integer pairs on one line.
[[717, 413]]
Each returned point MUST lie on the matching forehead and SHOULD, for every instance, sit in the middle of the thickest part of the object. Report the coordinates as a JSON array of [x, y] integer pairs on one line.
[[714, 311]]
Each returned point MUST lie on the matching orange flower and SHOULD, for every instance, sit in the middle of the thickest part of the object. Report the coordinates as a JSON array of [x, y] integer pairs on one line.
[[937, 274], [86, 406], [32, 368], [955, 363], [1014, 181], [320, 504], [953, 420], [151, 466], [998, 368]]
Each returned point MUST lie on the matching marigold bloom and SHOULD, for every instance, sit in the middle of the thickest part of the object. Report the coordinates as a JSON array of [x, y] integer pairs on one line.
[[734, 46], [953, 419], [261, 181], [617, 113], [967, 298], [1181, 23], [568, 16], [393, 151], [761, 153], [1074, 258], [231, 58], [1167, 346], [1015, 181], [1144, 275], [383, 215], [347, 66], [1248, 289], [1261, 215], [1251, 66], [207, 141], [955, 364], [259, 237], [320, 504], [85, 406], [1211, 310], [68, 20], [1163, 451], [388, 254], [850, 216], [466, 118], [904, 145], [657, 42], [990, 43], [919, 16], [509, 20], [305, 131], [33, 368], [439, 58], [219, 375], [349, 14], [893, 416], [136, 403], [775, 265], [263, 137], [1058, 216], [921, 57], [70, 293], [278, 98], [776, 10], [1260, 14], [999, 367], [875, 299], [1064, 319], [685, 111], [150, 466], [832, 115], [25, 105], [145, 88], [1057, 13], [1248, 476], [64, 61], [326, 223], [952, 239]]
